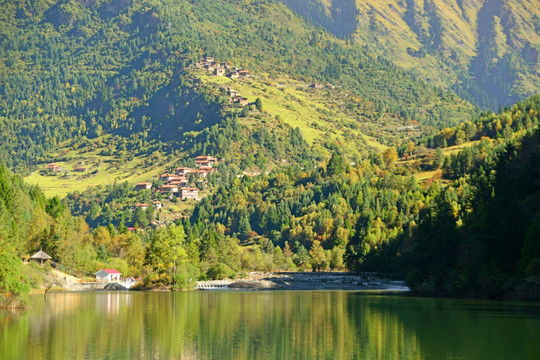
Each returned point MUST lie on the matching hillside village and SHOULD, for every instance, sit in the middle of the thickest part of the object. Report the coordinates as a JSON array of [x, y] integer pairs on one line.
[[177, 183], [224, 69], [182, 184]]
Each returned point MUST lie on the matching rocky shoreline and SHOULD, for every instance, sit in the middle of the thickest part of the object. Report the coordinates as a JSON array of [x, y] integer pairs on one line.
[[258, 281], [306, 281]]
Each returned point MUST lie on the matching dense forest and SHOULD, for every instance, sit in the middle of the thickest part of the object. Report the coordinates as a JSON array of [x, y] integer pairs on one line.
[[473, 232], [86, 69]]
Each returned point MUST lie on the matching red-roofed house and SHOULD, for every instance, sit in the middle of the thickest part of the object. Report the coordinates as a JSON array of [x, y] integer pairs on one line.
[[142, 206], [181, 182], [204, 171], [168, 189], [53, 167], [167, 177], [182, 171], [108, 275], [143, 186], [210, 159], [244, 73], [200, 163]]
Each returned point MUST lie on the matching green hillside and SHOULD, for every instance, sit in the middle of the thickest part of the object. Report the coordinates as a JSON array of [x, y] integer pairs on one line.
[[85, 69], [486, 50]]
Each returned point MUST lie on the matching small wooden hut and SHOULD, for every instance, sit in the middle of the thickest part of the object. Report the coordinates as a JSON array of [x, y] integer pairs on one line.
[[40, 256]]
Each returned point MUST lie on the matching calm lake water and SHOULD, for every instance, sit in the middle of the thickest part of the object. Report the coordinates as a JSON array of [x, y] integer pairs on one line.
[[268, 325]]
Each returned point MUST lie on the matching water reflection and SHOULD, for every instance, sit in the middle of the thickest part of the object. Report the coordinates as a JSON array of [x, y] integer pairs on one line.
[[262, 325]]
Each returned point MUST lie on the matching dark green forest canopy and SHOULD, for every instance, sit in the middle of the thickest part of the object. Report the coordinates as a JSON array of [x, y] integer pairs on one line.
[[74, 69]]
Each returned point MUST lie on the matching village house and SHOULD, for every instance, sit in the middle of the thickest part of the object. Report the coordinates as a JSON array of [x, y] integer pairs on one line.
[[181, 182], [81, 169], [167, 177], [234, 75], [143, 186], [158, 205], [200, 163], [232, 92], [189, 193], [108, 275], [244, 73], [316, 85], [142, 206], [179, 178], [168, 189], [210, 159], [182, 171], [53, 168], [204, 171], [209, 59], [243, 101], [219, 71]]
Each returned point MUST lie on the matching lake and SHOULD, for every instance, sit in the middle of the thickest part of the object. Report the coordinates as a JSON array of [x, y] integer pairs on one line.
[[267, 325]]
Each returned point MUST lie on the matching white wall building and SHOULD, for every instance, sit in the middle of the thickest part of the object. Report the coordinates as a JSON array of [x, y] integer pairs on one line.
[[108, 275]]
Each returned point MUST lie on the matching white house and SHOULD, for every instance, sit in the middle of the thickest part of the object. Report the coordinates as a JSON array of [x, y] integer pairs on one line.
[[108, 275]]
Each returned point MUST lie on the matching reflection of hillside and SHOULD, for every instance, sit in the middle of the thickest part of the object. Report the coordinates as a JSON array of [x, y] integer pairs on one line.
[[309, 325], [225, 325], [259, 325]]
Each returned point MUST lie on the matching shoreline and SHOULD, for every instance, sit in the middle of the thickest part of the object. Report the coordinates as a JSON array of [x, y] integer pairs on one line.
[[306, 281], [291, 281]]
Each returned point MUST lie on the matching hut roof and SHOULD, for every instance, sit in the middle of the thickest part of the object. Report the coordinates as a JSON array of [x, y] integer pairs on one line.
[[41, 255]]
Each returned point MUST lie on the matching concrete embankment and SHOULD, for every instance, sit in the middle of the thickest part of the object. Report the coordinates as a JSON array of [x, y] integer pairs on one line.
[[93, 286]]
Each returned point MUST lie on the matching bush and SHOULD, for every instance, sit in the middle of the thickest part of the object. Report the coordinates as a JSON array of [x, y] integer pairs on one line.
[[220, 272]]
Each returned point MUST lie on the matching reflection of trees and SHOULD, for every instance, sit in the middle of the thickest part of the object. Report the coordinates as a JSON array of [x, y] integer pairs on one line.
[[471, 329], [224, 325]]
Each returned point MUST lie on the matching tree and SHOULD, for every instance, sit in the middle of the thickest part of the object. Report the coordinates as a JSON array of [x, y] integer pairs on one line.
[[390, 156], [13, 285], [318, 257], [166, 253], [259, 104], [336, 165], [410, 147], [438, 159]]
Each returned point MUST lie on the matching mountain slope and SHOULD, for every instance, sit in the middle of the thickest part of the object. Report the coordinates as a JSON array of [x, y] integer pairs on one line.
[[486, 50], [85, 69]]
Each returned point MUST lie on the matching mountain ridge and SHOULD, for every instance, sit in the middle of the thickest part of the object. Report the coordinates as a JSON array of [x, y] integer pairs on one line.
[[486, 50]]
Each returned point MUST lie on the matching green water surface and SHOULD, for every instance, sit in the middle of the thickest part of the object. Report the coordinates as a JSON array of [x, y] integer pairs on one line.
[[267, 325]]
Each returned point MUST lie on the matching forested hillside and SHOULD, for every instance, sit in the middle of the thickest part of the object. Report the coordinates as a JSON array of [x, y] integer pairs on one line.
[[444, 234], [488, 51], [73, 69]]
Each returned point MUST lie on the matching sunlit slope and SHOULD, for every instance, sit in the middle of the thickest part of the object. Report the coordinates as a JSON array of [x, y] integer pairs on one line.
[[487, 50]]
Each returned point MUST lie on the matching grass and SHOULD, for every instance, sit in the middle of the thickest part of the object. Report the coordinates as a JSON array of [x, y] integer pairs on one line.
[[457, 148], [319, 114], [102, 170]]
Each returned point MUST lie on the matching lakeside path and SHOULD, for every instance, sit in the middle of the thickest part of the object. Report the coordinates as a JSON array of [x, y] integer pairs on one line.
[[306, 281]]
